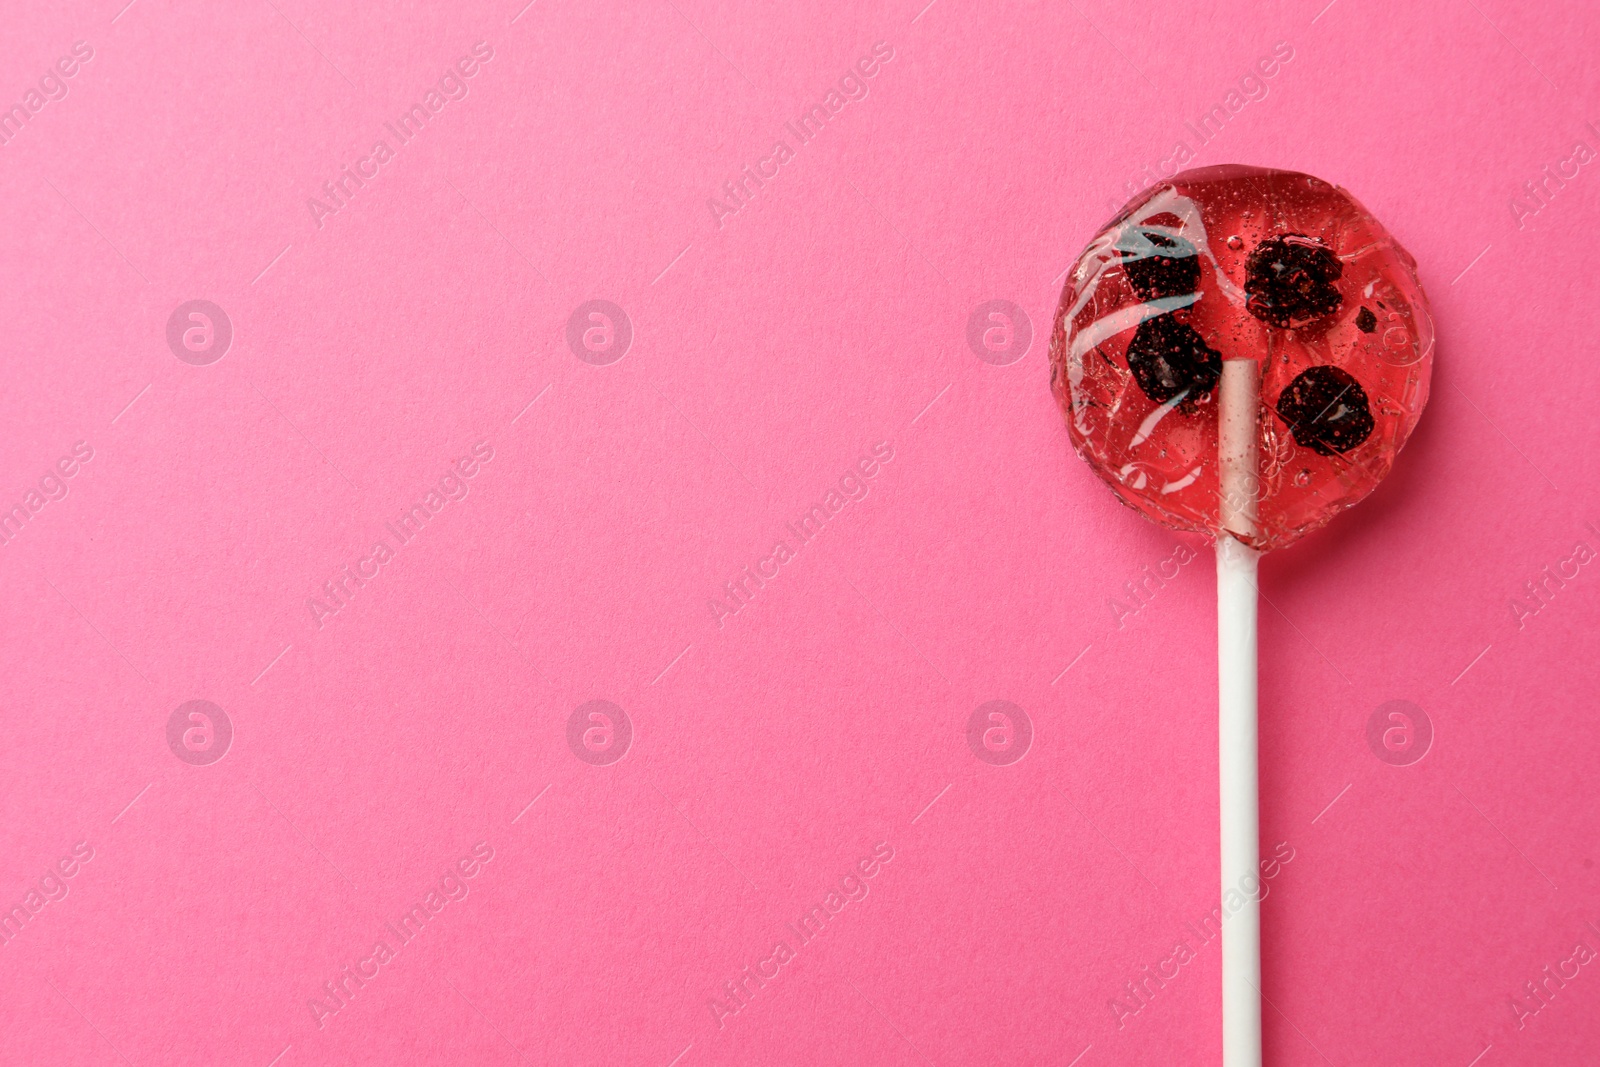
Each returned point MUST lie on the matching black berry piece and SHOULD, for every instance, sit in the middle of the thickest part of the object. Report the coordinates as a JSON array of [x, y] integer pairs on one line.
[[1366, 321], [1289, 281], [1327, 410], [1168, 357], [1160, 265]]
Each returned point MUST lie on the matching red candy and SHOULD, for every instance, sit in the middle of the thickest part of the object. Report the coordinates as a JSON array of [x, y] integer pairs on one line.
[[1241, 263]]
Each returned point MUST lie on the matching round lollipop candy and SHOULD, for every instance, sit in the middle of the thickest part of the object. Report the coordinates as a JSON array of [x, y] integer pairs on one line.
[[1241, 352]]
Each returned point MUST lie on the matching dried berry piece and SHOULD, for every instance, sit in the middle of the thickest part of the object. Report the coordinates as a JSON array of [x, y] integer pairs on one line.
[[1169, 357], [1159, 264], [1289, 281], [1327, 410], [1366, 321]]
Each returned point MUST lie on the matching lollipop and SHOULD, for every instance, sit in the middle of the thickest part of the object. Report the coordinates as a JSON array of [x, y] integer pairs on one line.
[[1241, 352]]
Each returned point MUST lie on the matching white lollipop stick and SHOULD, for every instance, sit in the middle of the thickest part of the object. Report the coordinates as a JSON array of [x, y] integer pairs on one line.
[[1239, 401]]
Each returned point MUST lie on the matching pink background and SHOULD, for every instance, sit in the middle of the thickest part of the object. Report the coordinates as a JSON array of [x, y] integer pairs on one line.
[[771, 350]]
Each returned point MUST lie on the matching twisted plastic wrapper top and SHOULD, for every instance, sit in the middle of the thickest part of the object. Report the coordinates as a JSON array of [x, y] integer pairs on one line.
[[1241, 263]]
